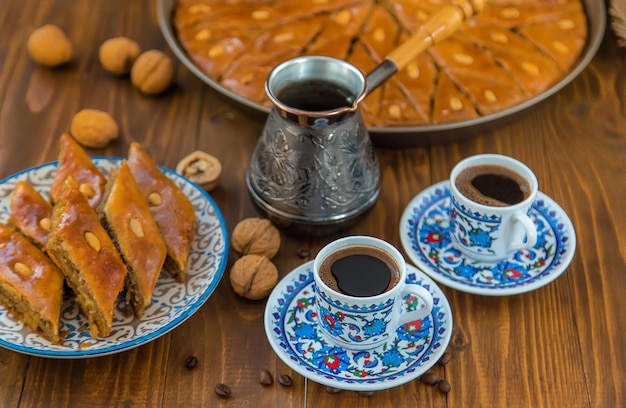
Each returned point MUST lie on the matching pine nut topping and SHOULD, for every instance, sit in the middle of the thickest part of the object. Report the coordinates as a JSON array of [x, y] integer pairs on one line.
[[93, 241], [560, 47], [510, 12], [136, 228], [87, 190], [531, 68], [463, 59], [490, 96], [22, 269], [45, 224], [456, 104], [260, 14], [203, 34], [155, 199], [413, 70]]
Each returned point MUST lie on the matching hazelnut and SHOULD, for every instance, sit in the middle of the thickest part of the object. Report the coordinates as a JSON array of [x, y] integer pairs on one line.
[[94, 128], [117, 55], [152, 72], [201, 168], [49, 46], [256, 236], [253, 276]]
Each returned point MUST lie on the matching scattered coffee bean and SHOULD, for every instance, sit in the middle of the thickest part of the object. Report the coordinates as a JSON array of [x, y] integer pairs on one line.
[[333, 390], [191, 362], [429, 378], [445, 359], [265, 378], [366, 394], [223, 390], [285, 380], [443, 386], [303, 252]]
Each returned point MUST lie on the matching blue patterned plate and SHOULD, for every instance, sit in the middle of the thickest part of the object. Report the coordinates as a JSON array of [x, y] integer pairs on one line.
[[426, 240], [172, 302], [292, 331]]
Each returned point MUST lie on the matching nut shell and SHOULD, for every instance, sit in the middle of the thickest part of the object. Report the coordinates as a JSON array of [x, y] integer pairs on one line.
[[256, 236], [253, 277], [201, 168], [94, 128], [117, 55], [152, 72], [49, 46]]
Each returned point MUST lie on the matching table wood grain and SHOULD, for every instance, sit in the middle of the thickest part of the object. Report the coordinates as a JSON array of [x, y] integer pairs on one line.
[[563, 345]]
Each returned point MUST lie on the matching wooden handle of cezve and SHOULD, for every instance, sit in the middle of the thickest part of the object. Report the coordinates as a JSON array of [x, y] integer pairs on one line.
[[439, 26]]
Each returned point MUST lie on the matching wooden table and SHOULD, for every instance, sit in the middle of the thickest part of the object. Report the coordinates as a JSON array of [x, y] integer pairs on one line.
[[563, 345]]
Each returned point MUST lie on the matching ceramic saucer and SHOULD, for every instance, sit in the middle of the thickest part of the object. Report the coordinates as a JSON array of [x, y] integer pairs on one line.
[[292, 330], [426, 240]]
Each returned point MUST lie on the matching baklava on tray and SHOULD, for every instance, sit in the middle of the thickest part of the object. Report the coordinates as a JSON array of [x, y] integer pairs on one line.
[[512, 51]]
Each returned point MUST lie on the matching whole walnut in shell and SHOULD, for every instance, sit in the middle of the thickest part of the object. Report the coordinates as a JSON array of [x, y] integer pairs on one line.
[[253, 276], [117, 55], [256, 236], [152, 72], [94, 128], [49, 46]]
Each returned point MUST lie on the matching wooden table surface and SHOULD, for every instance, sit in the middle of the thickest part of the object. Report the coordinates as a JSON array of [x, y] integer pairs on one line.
[[563, 345]]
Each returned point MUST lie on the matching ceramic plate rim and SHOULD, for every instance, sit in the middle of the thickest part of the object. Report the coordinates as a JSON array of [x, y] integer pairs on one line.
[[444, 280], [300, 369], [165, 328]]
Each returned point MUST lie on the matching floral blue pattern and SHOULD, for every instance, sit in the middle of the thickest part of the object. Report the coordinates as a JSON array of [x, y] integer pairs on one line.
[[425, 233], [292, 330]]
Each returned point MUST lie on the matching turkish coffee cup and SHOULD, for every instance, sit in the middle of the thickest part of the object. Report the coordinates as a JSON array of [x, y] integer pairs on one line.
[[361, 294], [491, 196]]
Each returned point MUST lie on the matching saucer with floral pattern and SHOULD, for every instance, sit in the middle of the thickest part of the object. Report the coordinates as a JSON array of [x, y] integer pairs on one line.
[[292, 330], [425, 237]]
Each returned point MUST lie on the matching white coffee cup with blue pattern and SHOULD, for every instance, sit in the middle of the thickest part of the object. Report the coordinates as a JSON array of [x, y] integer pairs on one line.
[[491, 196], [365, 321]]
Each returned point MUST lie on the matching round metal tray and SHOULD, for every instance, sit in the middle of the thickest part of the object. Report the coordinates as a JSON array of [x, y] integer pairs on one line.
[[409, 135]]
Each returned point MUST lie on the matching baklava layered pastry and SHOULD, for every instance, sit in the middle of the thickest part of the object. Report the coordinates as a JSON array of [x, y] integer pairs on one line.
[[512, 51]]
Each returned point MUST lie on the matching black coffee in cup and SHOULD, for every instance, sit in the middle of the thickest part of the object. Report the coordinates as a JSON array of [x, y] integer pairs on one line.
[[360, 271], [493, 185]]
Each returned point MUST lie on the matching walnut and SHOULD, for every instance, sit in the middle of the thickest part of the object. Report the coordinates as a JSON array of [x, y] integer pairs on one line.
[[94, 128], [49, 46], [201, 168], [117, 55], [256, 236], [152, 72], [253, 276]]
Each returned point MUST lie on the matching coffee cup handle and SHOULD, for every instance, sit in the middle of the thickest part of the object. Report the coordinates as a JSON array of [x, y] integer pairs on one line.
[[424, 295], [529, 228]]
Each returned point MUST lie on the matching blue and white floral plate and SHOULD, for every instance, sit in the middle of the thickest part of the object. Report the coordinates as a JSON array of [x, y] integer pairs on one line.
[[426, 240], [292, 330], [172, 302]]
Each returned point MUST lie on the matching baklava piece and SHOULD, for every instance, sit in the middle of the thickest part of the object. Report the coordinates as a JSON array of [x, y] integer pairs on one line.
[[89, 260], [31, 285], [74, 162], [126, 216], [170, 207]]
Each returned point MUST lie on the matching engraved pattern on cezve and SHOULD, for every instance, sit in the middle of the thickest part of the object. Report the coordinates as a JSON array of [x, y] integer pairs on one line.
[[312, 172]]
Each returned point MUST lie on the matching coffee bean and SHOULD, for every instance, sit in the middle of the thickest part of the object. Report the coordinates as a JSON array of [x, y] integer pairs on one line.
[[191, 362], [333, 390], [265, 378], [445, 359], [429, 378], [443, 386], [223, 390], [303, 252], [366, 394], [285, 380]]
